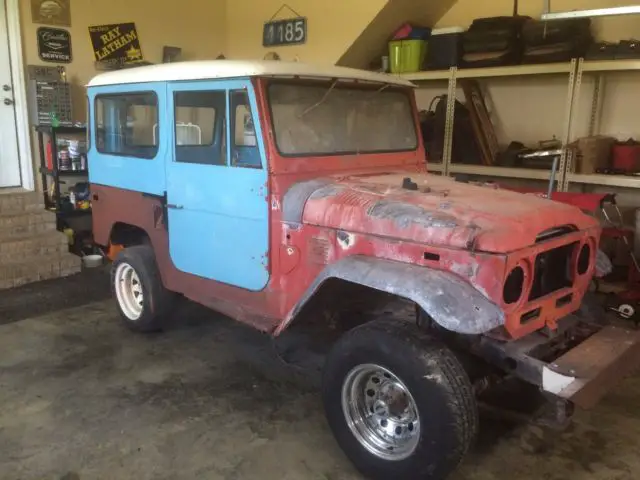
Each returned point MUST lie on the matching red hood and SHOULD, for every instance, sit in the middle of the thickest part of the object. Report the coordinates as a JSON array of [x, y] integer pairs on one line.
[[441, 212]]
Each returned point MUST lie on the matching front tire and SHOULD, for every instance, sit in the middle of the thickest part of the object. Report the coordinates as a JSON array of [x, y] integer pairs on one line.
[[398, 402], [142, 300]]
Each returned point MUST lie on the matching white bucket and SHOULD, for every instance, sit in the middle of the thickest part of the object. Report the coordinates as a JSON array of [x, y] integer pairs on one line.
[[92, 261]]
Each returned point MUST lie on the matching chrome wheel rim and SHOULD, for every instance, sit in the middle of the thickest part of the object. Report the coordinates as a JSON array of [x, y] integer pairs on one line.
[[380, 412], [128, 291]]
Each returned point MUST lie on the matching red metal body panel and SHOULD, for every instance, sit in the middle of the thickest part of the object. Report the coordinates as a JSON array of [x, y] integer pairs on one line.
[[441, 212], [474, 233], [590, 202]]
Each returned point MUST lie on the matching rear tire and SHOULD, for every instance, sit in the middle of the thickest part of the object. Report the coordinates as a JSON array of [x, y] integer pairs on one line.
[[399, 403], [142, 300]]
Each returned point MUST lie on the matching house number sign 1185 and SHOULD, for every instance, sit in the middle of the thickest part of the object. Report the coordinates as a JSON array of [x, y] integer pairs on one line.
[[291, 31]]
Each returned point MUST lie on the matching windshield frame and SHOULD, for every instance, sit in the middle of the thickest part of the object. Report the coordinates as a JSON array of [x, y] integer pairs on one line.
[[341, 84]]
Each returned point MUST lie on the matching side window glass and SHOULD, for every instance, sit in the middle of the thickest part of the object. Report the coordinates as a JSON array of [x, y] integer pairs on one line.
[[244, 148], [127, 124], [200, 127]]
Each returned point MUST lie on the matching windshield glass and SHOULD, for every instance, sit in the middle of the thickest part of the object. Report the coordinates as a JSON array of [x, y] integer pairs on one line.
[[335, 119]]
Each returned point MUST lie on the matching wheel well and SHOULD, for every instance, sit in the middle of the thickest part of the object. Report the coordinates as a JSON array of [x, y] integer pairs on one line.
[[340, 305], [128, 235]]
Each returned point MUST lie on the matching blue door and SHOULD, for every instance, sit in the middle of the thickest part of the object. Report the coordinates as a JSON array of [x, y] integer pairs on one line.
[[218, 215]]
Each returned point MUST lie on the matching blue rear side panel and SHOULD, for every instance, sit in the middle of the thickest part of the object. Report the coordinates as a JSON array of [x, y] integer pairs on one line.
[[145, 175]]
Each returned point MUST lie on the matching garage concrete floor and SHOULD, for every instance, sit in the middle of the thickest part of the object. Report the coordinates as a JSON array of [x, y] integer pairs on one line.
[[82, 398]]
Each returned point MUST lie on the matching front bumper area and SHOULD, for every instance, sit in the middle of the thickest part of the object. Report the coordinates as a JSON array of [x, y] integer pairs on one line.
[[580, 362], [588, 371]]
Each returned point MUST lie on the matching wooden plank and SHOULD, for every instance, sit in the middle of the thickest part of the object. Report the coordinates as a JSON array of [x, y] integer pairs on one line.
[[476, 122]]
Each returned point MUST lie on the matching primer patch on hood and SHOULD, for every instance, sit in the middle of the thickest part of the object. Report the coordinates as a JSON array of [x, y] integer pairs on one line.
[[405, 214]]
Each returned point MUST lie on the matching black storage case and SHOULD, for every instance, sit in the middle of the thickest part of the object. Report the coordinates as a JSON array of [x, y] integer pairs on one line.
[[494, 41], [556, 40], [445, 48]]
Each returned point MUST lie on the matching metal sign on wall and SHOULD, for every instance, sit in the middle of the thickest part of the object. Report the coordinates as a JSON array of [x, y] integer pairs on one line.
[[45, 74], [54, 45], [116, 43], [291, 31], [51, 12]]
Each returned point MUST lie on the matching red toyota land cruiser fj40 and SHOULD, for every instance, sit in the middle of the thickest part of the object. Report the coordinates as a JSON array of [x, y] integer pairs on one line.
[[283, 195]]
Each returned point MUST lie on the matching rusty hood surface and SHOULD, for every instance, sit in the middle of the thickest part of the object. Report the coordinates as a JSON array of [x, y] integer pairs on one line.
[[433, 211]]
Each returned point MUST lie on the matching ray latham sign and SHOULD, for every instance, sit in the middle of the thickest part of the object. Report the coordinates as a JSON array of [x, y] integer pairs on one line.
[[54, 45], [117, 43]]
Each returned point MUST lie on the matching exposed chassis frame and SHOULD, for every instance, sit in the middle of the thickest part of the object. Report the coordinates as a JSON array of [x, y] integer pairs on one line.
[[578, 362]]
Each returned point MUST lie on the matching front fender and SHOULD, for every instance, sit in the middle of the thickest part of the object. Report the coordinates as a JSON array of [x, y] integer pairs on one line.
[[450, 301]]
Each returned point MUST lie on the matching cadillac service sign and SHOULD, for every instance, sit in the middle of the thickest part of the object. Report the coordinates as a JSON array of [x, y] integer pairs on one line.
[[54, 45]]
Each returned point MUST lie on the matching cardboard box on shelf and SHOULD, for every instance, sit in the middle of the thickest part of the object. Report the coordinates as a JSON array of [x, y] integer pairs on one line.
[[592, 153]]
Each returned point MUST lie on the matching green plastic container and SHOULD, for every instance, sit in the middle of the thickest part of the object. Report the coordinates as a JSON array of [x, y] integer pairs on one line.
[[406, 56]]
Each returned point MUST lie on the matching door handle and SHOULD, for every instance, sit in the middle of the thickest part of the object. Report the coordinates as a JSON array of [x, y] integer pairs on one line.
[[175, 207], [8, 101], [6, 88]]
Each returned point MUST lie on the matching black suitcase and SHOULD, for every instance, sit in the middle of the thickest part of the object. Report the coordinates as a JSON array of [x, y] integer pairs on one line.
[[556, 41], [493, 41], [536, 33]]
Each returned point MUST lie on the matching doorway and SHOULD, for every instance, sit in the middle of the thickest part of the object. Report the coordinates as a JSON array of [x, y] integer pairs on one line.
[[9, 153]]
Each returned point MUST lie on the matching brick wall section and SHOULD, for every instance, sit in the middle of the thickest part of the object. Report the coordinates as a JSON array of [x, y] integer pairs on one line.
[[31, 249]]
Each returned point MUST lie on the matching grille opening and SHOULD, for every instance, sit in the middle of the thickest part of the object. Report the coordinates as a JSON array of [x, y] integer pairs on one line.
[[583, 259], [555, 233], [566, 300], [514, 285], [552, 271], [532, 315], [434, 257]]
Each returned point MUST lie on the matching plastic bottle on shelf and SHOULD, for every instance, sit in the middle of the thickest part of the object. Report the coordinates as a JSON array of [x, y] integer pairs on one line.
[[64, 159]]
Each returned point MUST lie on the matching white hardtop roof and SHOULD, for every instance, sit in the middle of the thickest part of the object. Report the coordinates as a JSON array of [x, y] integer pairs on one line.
[[227, 69]]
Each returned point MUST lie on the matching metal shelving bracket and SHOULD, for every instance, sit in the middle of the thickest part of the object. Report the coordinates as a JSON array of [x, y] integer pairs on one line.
[[575, 81], [448, 127]]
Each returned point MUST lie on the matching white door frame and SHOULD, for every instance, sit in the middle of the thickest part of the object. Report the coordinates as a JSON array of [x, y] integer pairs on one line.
[[20, 94]]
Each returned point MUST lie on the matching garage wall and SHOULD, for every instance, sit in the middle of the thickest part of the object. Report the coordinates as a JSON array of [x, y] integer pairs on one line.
[[196, 26], [371, 44], [333, 26]]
